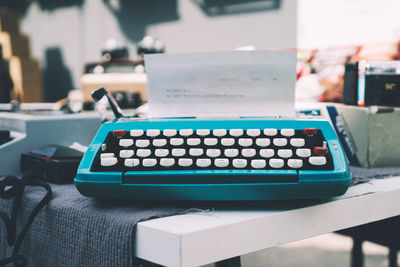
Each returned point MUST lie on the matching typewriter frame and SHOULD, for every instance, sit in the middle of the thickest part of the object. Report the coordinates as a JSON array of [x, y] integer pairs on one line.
[[311, 184]]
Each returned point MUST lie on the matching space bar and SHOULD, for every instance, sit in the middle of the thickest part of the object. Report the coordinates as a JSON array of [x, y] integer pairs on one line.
[[209, 177]]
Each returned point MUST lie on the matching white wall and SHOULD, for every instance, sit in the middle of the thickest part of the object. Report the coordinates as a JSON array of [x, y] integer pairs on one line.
[[195, 31], [80, 30], [330, 23]]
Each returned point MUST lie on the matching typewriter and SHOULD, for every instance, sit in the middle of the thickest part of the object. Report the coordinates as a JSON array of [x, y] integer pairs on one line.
[[214, 160]]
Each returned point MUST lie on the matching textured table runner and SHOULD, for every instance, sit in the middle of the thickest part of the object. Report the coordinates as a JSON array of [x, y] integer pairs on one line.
[[73, 230], [364, 175]]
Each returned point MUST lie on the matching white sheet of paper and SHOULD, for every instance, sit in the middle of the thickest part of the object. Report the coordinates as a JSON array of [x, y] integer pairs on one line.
[[221, 84]]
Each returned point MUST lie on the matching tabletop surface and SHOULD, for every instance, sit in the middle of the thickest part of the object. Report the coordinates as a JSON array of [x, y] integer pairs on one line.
[[225, 231]]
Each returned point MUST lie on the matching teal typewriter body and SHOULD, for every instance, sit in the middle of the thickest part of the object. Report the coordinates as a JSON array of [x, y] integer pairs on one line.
[[214, 160]]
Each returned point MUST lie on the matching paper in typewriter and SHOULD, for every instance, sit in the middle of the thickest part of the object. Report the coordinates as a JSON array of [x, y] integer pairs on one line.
[[221, 84]]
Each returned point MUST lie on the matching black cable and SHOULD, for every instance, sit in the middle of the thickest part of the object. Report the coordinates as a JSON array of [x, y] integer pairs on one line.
[[13, 187]]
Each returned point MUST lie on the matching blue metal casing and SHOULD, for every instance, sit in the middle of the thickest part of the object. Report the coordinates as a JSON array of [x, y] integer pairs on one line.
[[309, 185]]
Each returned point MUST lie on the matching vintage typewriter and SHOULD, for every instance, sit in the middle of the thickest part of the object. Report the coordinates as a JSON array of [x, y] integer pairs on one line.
[[224, 160]]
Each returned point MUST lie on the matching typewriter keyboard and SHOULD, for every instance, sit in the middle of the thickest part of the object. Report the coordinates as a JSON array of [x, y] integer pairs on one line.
[[214, 149]]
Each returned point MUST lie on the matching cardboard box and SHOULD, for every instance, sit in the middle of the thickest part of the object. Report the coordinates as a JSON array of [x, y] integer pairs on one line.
[[370, 136]]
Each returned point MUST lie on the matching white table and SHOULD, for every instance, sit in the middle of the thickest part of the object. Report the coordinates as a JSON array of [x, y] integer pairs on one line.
[[205, 237]]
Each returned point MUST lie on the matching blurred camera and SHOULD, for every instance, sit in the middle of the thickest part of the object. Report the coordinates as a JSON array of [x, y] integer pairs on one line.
[[369, 83]]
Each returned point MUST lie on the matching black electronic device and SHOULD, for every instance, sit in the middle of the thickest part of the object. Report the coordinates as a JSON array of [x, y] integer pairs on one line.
[[29, 129], [4, 136], [369, 83], [114, 50], [6, 83], [127, 100], [53, 163], [350, 83], [150, 45]]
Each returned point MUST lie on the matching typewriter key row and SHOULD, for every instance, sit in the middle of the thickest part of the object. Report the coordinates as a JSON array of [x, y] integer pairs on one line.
[[275, 163], [215, 132], [245, 142], [212, 152]]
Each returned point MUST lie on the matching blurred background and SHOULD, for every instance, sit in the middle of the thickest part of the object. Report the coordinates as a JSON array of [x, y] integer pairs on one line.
[[52, 50], [62, 36]]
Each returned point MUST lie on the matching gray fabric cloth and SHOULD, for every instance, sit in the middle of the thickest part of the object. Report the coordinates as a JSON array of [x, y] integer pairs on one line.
[[73, 230], [364, 175]]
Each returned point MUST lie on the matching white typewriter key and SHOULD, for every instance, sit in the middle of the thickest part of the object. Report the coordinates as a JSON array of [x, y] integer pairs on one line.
[[203, 132], [193, 141], [195, 152], [303, 152], [219, 132], [167, 162], [276, 163], [267, 153], [253, 132], [317, 160], [143, 153], [185, 162], [125, 142], [258, 163], [231, 152], [161, 152], [153, 132], [107, 162], [131, 162], [210, 141], [248, 152], [297, 142], [203, 163], [126, 153], [107, 155], [295, 163], [213, 153], [185, 132], [169, 132], [263, 142], [142, 143], [159, 142], [136, 133], [285, 153], [221, 163], [280, 141], [227, 141], [178, 152], [239, 163], [103, 147], [245, 142], [176, 141], [236, 132], [270, 132], [149, 162], [287, 132]]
